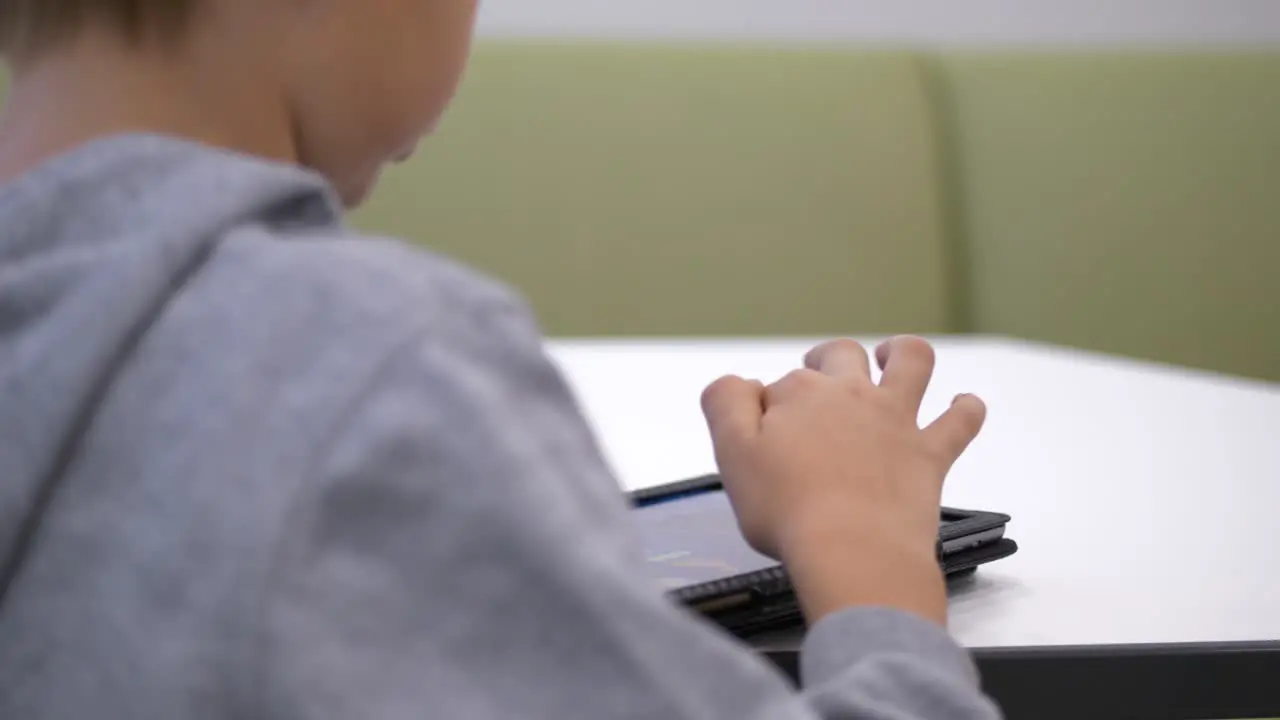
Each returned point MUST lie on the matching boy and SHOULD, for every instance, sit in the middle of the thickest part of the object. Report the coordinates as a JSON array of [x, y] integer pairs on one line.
[[255, 466]]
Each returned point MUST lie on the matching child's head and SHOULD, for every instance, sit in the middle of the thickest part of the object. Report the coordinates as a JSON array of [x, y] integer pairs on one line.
[[358, 82]]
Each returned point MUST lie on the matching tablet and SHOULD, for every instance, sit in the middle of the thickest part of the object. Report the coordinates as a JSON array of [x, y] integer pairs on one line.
[[697, 554]]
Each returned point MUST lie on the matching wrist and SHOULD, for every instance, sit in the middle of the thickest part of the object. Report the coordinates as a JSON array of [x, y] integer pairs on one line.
[[860, 565]]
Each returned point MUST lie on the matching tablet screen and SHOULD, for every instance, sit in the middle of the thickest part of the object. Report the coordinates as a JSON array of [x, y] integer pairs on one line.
[[692, 538]]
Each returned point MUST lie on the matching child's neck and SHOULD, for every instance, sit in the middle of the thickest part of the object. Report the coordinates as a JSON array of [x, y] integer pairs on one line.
[[96, 87]]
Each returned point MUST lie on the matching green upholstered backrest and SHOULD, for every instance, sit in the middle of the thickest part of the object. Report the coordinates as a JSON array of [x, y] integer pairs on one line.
[[1124, 202], [633, 189]]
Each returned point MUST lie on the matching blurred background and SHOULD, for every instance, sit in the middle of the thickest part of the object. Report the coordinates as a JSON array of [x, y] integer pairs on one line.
[[1103, 174]]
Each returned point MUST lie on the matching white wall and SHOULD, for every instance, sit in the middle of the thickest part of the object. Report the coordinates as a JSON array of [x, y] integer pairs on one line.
[[916, 22]]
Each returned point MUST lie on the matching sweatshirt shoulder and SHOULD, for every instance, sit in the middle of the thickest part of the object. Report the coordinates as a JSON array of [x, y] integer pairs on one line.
[[362, 282]]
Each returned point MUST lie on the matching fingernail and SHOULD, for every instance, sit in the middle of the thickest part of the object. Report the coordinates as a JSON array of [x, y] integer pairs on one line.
[[959, 397]]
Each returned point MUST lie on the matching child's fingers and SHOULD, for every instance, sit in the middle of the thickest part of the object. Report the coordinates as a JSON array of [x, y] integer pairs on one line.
[[908, 367], [733, 408], [840, 358], [951, 434]]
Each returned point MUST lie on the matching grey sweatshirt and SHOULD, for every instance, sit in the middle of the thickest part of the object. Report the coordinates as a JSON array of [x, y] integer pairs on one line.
[[253, 465]]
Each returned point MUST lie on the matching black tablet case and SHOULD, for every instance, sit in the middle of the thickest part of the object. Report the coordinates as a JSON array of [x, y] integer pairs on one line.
[[763, 600]]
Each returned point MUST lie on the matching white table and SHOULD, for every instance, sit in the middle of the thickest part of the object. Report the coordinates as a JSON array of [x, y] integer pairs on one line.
[[1145, 498]]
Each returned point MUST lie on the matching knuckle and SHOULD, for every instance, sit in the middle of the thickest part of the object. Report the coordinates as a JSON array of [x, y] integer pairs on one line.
[[915, 347], [830, 348], [847, 346], [718, 388], [802, 379]]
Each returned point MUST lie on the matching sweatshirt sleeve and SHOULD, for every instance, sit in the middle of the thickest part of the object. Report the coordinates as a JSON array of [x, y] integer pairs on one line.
[[461, 551]]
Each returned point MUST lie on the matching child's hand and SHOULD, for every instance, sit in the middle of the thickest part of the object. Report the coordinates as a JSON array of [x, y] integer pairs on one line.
[[831, 473]]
